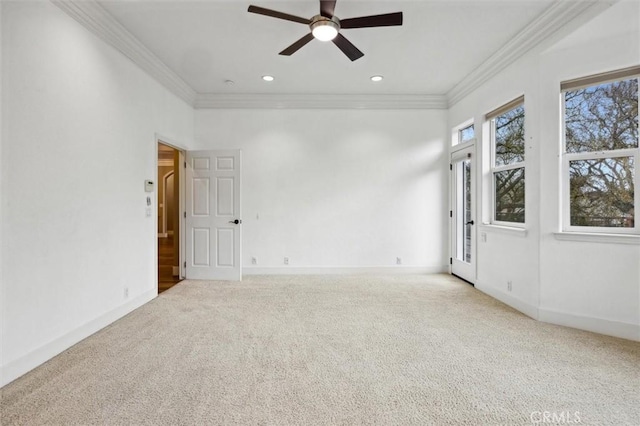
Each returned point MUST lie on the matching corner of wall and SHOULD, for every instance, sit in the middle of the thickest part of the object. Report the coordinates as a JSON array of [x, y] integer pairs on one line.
[[514, 302]]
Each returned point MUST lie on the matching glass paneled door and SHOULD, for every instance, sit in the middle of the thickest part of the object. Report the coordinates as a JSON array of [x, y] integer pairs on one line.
[[463, 236]]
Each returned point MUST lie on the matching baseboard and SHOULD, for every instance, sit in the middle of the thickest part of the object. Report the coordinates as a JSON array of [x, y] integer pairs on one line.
[[23, 365], [516, 303], [343, 270], [596, 325]]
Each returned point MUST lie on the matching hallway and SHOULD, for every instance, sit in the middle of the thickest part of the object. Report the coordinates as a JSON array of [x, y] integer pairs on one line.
[[166, 279]]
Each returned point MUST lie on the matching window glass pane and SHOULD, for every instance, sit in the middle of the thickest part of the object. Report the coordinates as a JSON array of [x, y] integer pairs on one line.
[[467, 211], [602, 192], [509, 137], [509, 186], [602, 117], [466, 134]]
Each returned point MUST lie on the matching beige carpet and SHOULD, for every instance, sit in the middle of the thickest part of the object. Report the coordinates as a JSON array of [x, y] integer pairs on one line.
[[331, 350]]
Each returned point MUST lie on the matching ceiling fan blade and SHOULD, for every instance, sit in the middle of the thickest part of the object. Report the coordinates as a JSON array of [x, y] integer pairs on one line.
[[279, 15], [347, 47], [386, 20], [297, 45], [327, 8]]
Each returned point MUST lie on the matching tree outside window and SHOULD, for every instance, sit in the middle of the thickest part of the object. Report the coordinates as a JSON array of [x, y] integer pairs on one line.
[[601, 153], [508, 164]]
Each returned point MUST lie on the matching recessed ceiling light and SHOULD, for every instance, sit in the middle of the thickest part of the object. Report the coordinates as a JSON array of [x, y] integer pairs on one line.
[[267, 78], [377, 78], [229, 82]]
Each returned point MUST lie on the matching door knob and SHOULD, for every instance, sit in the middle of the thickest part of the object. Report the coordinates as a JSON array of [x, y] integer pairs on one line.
[[470, 223], [235, 221]]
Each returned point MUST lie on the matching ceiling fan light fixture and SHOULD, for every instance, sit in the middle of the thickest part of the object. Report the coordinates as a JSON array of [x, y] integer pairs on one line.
[[325, 29]]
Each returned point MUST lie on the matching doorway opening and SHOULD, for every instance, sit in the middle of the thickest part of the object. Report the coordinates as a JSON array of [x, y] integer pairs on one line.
[[168, 217]]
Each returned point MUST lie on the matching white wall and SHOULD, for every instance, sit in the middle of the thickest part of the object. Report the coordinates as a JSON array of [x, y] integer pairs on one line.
[[506, 256], [593, 283], [2, 203], [79, 124], [595, 286], [343, 190]]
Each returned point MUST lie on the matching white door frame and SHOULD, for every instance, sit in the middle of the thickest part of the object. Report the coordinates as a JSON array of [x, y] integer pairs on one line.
[[462, 268], [181, 195]]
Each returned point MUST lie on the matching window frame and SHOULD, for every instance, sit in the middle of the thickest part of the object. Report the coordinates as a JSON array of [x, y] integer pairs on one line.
[[456, 139], [568, 157], [461, 129], [493, 169]]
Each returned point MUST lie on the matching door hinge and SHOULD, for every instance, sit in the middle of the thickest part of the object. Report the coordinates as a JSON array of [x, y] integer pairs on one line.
[[184, 265], [450, 166], [184, 214], [450, 213], [468, 155], [451, 261], [185, 164]]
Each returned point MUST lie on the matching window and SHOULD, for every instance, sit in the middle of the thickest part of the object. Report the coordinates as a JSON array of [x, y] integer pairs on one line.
[[601, 152], [466, 134], [507, 163], [463, 133]]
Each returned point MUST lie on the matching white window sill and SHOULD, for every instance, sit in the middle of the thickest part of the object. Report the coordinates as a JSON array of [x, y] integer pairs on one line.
[[598, 238], [509, 230]]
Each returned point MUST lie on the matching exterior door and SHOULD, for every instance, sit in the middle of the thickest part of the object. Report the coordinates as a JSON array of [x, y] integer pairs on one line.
[[463, 236], [213, 215]]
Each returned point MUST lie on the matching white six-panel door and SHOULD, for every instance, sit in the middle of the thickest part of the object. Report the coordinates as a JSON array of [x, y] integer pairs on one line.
[[213, 238]]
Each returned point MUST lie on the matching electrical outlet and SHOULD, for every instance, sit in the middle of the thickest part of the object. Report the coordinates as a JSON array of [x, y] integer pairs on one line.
[[254, 261], [509, 285], [126, 292], [398, 261], [286, 260]]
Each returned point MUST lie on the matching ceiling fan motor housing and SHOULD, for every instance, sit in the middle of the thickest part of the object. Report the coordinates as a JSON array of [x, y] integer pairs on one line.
[[323, 28]]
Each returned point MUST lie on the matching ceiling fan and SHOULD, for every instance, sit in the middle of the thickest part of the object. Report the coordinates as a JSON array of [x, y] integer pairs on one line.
[[326, 27]]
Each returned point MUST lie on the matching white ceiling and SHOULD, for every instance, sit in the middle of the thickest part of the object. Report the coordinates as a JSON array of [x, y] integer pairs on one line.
[[209, 42]]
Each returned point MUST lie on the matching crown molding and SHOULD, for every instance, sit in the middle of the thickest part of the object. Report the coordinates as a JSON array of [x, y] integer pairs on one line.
[[554, 18], [318, 101], [97, 20]]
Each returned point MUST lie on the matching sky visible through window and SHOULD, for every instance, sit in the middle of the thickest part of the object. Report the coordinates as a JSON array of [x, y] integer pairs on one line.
[[466, 134]]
